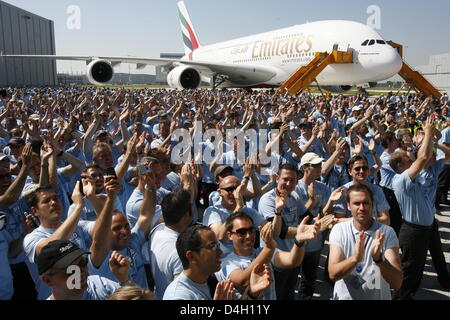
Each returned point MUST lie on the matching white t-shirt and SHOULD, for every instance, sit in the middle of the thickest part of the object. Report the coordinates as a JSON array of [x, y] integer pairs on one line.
[[164, 259], [365, 281]]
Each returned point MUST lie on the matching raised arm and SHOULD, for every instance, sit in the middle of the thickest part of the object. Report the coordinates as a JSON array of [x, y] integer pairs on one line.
[[13, 192], [148, 206], [425, 150], [241, 278], [101, 240], [65, 230]]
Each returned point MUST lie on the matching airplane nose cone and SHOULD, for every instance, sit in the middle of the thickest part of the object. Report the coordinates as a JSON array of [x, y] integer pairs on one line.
[[390, 62]]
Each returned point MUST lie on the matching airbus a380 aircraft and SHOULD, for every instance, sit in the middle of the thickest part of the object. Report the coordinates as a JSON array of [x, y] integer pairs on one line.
[[266, 59]]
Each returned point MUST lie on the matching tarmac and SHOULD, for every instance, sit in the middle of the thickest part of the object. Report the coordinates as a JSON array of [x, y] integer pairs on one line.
[[429, 287]]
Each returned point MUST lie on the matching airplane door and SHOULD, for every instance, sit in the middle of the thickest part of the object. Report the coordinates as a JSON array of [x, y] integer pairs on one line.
[[341, 46]]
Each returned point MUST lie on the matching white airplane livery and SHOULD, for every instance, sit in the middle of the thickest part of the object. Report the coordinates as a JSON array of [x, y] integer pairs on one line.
[[266, 59]]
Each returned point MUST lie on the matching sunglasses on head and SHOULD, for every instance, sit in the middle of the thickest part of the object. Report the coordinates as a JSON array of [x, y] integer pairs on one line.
[[361, 168], [243, 231]]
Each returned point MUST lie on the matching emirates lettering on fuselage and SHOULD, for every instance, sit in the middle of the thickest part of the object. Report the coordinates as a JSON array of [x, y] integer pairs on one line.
[[282, 46]]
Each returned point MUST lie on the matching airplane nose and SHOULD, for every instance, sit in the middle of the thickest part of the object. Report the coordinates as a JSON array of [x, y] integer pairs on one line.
[[390, 62]]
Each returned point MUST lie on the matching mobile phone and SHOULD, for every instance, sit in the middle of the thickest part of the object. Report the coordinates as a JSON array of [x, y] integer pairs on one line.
[[142, 168], [111, 172], [35, 225]]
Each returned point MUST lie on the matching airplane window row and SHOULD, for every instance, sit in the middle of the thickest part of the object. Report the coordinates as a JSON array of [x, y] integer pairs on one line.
[[250, 60], [372, 42]]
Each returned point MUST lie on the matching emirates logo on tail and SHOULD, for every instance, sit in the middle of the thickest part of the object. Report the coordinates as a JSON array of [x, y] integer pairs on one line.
[[190, 38]]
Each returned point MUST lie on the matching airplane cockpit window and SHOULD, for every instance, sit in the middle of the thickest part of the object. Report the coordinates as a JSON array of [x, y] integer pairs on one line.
[[365, 43], [371, 42], [381, 42]]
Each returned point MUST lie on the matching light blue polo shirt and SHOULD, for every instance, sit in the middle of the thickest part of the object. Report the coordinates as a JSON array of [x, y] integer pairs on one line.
[[80, 237], [291, 214], [183, 288], [413, 199], [134, 254], [428, 178], [322, 193], [98, 288], [386, 172], [133, 209], [233, 262]]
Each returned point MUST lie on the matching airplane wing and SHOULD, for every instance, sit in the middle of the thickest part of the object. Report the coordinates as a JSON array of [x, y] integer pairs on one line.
[[240, 74]]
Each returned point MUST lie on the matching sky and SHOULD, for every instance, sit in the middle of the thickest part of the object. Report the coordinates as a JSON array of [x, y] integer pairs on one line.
[[146, 28]]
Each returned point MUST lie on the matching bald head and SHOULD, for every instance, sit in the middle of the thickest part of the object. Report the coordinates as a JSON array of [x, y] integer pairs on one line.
[[230, 180]]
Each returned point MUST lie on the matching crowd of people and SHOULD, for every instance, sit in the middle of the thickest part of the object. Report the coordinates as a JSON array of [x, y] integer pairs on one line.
[[219, 194]]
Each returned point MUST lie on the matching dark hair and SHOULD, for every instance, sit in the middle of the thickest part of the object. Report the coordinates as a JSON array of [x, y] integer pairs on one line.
[[92, 166], [175, 205], [386, 138], [189, 240], [360, 188], [358, 157], [36, 146], [396, 159], [288, 166], [32, 198], [237, 215]]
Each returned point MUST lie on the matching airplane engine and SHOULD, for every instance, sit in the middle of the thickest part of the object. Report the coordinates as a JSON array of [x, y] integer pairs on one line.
[[184, 77], [99, 72], [337, 89]]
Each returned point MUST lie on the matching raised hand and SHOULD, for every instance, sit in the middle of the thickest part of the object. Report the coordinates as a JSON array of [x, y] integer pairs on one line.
[[266, 232], [281, 199], [260, 279], [307, 232], [378, 245], [337, 194], [26, 155], [119, 266], [358, 146], [112, 186], [77, 197], [224, 291]]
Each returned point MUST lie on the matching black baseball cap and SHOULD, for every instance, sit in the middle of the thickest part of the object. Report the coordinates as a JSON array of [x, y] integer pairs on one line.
[[58, 254]]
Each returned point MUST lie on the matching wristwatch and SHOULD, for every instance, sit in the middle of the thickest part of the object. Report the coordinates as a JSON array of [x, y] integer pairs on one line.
[[299, 244], [277, 214]]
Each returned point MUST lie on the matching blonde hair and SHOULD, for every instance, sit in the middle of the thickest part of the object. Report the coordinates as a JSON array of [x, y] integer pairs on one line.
[[132, 292]]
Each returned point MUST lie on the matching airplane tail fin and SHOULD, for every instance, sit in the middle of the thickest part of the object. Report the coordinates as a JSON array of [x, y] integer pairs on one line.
[[190, 38]]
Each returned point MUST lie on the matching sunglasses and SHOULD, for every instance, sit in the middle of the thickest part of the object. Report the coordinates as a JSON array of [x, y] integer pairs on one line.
[[357, 169], [229, 189], [317, 165], [243, 231], [212, 246]]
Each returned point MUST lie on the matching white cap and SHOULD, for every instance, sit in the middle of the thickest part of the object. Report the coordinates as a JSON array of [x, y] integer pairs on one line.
[[357, 108], [310, 158]]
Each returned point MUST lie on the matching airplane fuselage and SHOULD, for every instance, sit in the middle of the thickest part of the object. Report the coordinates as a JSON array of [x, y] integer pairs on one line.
[[286, 50]]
